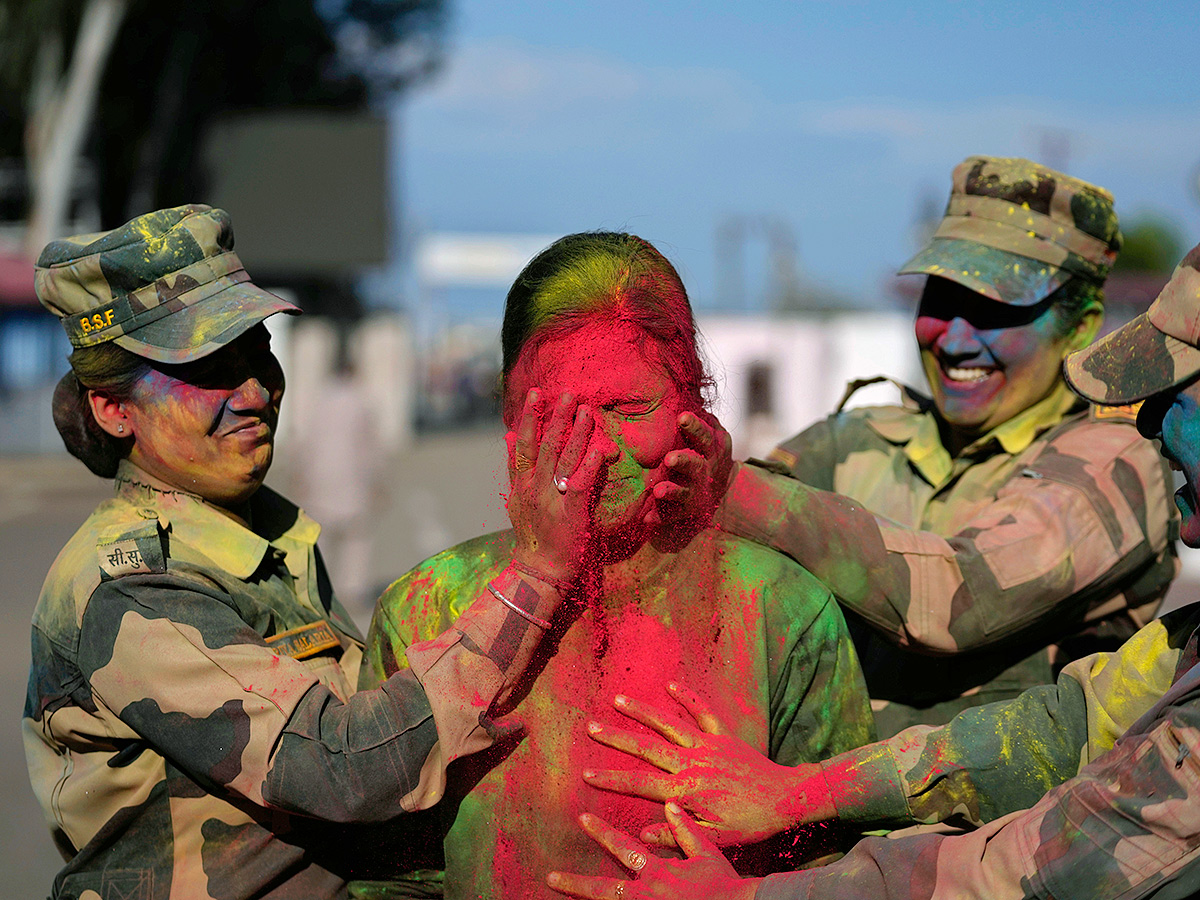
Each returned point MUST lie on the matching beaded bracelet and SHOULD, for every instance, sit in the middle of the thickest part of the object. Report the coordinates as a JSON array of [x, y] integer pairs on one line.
[[523, 613]]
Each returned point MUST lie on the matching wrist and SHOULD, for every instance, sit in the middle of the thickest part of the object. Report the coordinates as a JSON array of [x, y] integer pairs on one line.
[[808, 797], [540, 560], [561, 578], [537, 595]]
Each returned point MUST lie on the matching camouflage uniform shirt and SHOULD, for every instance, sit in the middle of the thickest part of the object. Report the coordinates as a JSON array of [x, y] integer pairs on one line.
[[1082, 790], [1051, 531], [190, 715]]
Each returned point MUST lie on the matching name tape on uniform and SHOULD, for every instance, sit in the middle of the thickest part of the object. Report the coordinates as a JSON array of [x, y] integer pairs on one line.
[[305, 641]]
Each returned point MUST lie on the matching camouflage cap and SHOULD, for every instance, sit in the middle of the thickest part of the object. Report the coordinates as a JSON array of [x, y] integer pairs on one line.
[[1016, 231], [1150, 354], [166, 286]]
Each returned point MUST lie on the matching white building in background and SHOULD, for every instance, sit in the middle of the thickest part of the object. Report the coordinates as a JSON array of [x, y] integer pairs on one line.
[[777, 375]]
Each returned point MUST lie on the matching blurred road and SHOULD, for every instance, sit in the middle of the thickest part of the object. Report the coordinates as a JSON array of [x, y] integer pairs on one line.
[[441, 490]]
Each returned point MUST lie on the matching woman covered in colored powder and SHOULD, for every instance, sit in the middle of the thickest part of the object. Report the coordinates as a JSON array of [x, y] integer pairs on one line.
[[191, 716], [603, 319]]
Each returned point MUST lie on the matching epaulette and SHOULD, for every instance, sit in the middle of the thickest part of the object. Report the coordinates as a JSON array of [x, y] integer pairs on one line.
[[131, 551], [1098, 412]]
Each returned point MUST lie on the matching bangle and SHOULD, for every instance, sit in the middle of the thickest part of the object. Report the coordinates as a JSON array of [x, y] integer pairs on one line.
[[524, 614], [563, 585]]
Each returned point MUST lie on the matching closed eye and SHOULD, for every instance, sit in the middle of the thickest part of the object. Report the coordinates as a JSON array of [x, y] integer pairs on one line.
[[632, 409]]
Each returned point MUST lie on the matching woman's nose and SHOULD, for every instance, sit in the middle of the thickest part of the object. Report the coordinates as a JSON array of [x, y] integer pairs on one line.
[[959, 339]]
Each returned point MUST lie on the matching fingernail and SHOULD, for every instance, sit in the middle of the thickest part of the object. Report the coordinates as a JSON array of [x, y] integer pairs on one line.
[[589, 773], [552, 879], [673, 686], [581, 415], [594, 727], [674, 808], [620, 700]]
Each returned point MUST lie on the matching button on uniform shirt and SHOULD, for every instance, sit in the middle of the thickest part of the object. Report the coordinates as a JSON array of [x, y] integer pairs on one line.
[[968, 579]]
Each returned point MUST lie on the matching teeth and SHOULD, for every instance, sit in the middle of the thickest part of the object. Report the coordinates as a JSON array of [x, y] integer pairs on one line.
[[956, 374]]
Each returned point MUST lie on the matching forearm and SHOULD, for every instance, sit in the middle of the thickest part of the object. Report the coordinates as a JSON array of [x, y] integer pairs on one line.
[[1121, 828], [986, 762], [385, 750], [472, 668], [1033, 558]]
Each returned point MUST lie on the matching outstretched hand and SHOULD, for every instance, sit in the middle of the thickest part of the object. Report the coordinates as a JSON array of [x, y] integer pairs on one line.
[[696, 475], [737, 794], [553, 484], [704, 873]]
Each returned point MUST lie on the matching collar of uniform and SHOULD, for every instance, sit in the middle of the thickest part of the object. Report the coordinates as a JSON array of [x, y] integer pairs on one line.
[[915, 427], [230, 545], [1018, 432]]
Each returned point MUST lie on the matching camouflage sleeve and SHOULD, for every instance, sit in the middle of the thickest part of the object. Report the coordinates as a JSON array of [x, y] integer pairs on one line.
[[1072, 526], [991, 760], [1126, 826], [237, 717]]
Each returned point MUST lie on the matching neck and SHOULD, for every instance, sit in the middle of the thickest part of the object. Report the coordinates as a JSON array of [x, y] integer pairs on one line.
[[134, 474]]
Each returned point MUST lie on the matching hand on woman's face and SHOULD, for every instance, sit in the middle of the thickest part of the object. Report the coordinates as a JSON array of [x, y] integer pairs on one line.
[[986, 361], [637, 405], [208, 427]]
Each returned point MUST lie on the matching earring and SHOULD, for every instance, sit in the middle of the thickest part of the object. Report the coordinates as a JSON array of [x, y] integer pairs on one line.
[[120, 428]]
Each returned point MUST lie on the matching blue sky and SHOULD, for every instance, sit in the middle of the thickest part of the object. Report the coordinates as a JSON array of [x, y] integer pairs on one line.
[[838, 117]]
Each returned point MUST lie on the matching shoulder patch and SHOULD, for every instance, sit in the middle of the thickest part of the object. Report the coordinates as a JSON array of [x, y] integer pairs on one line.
[[1101, 413], [131, 552]]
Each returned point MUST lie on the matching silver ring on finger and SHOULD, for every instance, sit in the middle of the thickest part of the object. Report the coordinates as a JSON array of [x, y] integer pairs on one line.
[[637, 861], [561, 483], [620, 890]]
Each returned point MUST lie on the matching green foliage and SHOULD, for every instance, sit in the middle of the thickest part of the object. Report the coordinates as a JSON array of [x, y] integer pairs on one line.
[[1153, 243]]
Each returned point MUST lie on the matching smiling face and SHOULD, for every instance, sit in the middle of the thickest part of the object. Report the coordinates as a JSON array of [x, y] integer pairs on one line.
[[208, 427], [610, 369], [986, 361], [1174, 417]]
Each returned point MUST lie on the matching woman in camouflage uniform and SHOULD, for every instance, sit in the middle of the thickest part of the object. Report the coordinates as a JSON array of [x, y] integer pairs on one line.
[[983, 537], [191, 716]]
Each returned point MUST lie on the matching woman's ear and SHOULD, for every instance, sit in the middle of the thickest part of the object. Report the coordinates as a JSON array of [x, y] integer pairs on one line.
[[1086, 328], [110, 414]]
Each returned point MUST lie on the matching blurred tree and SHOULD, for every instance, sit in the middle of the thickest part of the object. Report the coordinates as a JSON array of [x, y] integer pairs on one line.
[[1153, 243], [144, 79]]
